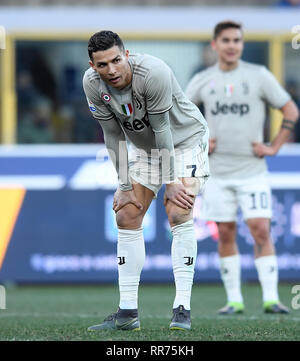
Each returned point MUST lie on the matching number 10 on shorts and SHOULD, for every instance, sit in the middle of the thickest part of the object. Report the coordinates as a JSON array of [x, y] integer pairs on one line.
[[259, 200]]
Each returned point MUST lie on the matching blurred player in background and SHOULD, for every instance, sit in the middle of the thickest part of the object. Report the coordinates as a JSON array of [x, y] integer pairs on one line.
[[234, 94], [137, 100]]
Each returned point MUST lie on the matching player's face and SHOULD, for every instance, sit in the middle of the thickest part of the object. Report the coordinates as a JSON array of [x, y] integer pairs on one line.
[[113, 67], [229, 46]]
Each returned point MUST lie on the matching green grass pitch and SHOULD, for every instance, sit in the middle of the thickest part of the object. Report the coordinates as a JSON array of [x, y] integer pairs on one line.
[[63, 313]]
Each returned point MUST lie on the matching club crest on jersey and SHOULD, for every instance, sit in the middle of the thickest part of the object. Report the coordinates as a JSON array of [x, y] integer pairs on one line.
[[127, 109], [137, 101], [228, 90], [91, 106], [106, 97]]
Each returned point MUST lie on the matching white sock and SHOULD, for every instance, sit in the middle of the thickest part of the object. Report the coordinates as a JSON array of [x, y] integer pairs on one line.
[[230, 269], [184, 254], [131, 258], [268, 277]]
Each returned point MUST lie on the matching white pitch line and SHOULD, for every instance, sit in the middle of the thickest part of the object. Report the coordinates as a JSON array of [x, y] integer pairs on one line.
[[217, 317]]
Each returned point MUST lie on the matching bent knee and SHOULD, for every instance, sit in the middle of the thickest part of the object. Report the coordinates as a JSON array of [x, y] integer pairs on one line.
[[129, 217], [227, 232], [193, 184], [177, 215], [260, 233]]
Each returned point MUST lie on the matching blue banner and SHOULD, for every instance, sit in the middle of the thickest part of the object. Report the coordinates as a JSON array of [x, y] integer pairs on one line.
[[63, 229]]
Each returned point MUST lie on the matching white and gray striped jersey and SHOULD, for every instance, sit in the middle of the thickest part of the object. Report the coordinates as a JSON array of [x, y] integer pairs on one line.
[[235, 110]]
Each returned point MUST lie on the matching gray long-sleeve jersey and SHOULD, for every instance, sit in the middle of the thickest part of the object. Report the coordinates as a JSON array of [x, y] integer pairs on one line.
[[133, 113]]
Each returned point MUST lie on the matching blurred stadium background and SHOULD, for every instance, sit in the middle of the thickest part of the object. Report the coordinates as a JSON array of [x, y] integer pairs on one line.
[[56, 182]]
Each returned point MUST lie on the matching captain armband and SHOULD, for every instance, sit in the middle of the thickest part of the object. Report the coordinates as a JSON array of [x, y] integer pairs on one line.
[[288, 124]]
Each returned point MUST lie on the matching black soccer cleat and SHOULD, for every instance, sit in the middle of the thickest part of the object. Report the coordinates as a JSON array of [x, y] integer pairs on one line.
[[121, 320], [181, 319], [275, 307]]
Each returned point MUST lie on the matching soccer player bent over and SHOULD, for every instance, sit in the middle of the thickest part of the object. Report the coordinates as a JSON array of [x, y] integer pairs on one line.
[[138, 103], [234, 94]]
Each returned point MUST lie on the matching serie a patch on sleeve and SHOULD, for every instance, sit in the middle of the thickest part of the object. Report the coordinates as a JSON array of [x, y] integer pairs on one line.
[[91, 106]]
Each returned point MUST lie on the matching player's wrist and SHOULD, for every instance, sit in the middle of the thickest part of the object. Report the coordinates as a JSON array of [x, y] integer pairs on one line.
[[274, 149], [125, 187], [174, 181]]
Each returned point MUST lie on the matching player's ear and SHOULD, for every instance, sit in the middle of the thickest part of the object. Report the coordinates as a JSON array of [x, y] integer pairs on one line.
[[92, 65], [127, 53]]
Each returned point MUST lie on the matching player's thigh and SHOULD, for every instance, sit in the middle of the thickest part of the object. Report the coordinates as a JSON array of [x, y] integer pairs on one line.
[[219, 201], [192, 169], [177, 215], [260, 229], [130, 216], [255, 198], [143, 194]]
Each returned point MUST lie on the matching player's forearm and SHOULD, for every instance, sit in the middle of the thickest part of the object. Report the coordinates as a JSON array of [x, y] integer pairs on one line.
[[281, 138], [116, 146], [290, 111], [164, 142], [290, 116]]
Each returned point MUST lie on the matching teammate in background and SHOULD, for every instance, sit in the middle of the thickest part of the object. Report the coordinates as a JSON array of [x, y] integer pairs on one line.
[[137, 100], [234, 94]]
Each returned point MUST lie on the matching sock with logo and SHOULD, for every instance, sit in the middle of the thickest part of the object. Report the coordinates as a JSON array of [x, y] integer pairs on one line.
[[131, 258], [268, 277], [184, 253], [230, 269]]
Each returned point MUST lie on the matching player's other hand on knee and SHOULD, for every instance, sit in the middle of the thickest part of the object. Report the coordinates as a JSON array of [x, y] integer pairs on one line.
[[178, 194], [212, 145], [121, 198], [261, 150]]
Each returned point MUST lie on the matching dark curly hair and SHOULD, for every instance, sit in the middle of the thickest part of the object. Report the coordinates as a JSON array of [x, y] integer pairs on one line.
[[104, 40]]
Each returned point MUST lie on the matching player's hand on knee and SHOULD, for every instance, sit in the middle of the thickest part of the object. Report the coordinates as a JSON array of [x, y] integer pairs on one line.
[[121, 198], [178, 194]]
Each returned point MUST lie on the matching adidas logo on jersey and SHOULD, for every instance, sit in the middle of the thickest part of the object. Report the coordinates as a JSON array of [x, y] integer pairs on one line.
[[240, 109]]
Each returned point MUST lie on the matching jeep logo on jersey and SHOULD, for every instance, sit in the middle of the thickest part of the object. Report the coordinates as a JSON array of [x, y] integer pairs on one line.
[[137, 125], [240, 109]]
